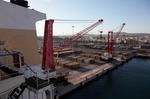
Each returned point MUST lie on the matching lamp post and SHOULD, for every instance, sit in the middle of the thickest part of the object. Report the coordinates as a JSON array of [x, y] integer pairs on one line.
[[72, 34]]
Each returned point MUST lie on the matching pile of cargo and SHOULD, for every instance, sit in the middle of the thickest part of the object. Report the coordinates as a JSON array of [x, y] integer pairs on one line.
[[58, 60], [66, 63], [63, 63], [83, 58], [88, 60], [141, 51], [126, 55], [75, 58], [80, 59], [93, 56], [65, 51], [72, 65], [85, 55], [77, 51], [116, 53]]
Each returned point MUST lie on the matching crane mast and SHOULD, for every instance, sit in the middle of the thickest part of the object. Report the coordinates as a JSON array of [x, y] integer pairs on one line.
[[109, 42], [47, 57]]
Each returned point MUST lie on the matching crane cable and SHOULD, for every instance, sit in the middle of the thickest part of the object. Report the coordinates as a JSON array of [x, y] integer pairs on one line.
[[73, 21]]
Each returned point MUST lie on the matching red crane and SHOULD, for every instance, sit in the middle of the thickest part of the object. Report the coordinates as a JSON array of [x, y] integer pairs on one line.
[[111, 44], [108, 55], [77, 36], [47, 57], [110, 39]]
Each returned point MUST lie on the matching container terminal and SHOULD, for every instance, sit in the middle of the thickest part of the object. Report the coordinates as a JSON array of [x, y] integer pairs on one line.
[[59, 65]]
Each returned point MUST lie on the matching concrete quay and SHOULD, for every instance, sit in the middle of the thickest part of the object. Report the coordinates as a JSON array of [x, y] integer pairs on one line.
[[78, 80]]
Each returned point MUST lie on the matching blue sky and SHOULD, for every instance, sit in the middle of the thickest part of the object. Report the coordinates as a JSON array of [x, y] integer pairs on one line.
[[135, 13]]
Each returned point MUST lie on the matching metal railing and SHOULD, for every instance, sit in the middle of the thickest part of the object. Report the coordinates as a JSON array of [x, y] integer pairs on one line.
[[34, 76], [6, 60]]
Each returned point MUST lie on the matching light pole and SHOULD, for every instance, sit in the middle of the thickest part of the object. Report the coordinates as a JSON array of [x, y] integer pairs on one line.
[[73, 30], [72, 34]]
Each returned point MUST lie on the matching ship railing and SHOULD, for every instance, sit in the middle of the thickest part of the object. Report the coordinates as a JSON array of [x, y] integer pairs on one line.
[[7, 67], [35, 77]]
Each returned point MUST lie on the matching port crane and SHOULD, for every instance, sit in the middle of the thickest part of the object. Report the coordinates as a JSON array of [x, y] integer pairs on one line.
[[77, 36], [110, 43], [48, 57]]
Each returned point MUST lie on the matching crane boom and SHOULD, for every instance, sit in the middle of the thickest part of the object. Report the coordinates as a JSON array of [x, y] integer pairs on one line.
[[117, 35], [77, 36]]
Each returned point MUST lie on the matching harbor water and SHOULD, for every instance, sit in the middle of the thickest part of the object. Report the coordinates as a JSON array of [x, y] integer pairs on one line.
[[129, 81]]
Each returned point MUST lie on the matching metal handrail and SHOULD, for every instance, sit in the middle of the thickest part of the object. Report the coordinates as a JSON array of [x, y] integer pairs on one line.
[[26, 67], [30, 68], [36, 75]]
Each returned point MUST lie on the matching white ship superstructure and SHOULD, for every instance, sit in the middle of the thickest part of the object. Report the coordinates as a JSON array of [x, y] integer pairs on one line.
[[18, 37]]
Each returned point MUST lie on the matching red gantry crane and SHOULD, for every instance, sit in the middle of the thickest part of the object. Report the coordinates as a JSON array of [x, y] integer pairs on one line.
[[77, 36], [48, 57], [110, 43]]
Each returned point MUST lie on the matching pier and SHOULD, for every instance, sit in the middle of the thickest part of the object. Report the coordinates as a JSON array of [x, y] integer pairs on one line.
[[78, 79]]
